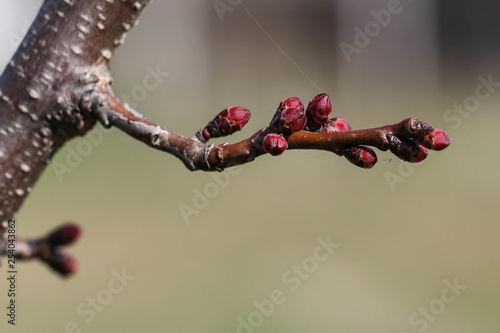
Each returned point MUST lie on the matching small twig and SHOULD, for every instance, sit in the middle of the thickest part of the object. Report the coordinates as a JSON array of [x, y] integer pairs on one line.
[[46, 249]]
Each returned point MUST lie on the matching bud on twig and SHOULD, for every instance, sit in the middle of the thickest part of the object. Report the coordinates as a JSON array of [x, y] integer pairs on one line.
[[335, 125], [227, 122], [407, 150], [66, 234], [274, 144], [288, 121], [292, 102], [62, 263], [46, 249], [361, 156], [318, 111], [434, 139]]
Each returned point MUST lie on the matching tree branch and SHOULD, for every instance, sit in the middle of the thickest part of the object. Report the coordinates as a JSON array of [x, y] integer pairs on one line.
[[58, 85], [196, 155]]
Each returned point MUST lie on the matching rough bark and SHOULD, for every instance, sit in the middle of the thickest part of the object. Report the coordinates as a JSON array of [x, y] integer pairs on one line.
[[64, 55]]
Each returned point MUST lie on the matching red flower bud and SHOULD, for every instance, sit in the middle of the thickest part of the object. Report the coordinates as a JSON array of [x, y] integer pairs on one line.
[[288, 121], [63, 263], [66, 234], [420, 155], [274, 144], [292, 102], [361, 156], [409, 151], [335, 125], [434, 139], [318, 111], [227, 122]]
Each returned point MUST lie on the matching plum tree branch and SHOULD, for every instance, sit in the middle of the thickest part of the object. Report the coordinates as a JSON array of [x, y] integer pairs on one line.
[[196, 155], [58, 86]]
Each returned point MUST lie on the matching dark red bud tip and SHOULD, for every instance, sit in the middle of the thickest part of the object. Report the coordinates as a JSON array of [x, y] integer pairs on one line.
[[361, 156], [228, 121], [335, 125], [318, 111], [419, 155], [292, 102], [66, 234], [434, 139], [410, 151], [63, 263], [274, 144], [288, 121]]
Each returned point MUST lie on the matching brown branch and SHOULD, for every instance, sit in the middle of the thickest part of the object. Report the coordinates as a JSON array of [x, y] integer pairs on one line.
[[57, 86], [196, 155]]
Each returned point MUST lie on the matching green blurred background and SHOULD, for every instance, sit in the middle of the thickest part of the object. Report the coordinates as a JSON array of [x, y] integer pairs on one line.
[[400, 240]]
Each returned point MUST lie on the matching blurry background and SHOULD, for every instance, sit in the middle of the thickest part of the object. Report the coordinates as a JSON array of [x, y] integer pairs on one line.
[[405, 232]]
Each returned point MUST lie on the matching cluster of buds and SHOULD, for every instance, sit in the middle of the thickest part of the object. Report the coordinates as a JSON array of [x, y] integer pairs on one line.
[[48, 249], [291, 117], [415, 150], [288, 119], [317, 120]]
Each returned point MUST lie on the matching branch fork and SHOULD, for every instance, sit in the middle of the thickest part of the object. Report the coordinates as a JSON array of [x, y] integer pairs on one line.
[[47, 249]]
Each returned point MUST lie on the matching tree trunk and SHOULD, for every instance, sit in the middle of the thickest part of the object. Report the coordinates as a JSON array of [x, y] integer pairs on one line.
[[65, 54]]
